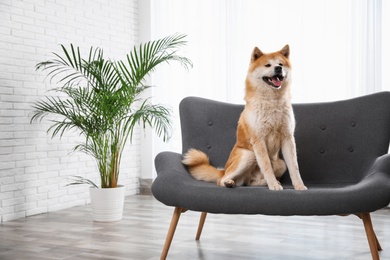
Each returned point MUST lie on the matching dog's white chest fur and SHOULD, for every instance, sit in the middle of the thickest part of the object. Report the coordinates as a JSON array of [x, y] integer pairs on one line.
[[264, 118], [267, 121]]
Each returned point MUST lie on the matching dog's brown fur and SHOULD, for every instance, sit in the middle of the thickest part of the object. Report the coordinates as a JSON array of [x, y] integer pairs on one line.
[[266, 127]]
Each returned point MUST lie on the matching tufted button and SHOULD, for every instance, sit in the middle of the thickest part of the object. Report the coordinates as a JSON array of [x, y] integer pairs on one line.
[[210, 123], [322, 150], [353, 123], [208, 146], [350, 149], [323, 127]]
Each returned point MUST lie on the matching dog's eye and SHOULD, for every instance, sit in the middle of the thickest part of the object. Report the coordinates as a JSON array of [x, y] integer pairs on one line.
[[268, 65], [280, 64]]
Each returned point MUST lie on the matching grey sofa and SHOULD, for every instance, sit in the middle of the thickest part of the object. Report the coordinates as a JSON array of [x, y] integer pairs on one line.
[[342, 154]]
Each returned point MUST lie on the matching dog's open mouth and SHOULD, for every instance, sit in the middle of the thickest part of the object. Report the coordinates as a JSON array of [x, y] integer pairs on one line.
[[275, 81]]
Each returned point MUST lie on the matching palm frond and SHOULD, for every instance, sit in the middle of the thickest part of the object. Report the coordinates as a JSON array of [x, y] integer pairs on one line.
[[144, 59], [77, 180], [103, 100], [155, 116]]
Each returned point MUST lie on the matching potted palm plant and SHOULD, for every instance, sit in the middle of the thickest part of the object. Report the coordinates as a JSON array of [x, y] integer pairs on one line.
[[104, 101]]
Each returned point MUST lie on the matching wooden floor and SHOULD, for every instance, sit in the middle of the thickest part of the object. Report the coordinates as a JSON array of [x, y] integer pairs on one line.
[[71, 234]]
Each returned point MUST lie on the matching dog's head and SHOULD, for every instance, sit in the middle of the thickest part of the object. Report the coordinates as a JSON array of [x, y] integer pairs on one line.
[[270, 70]]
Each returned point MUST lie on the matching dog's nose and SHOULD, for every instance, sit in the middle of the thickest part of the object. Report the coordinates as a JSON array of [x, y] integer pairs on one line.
[[278, 69]]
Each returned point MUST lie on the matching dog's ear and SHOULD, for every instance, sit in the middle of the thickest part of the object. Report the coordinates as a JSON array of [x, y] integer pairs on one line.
[[285, 51], [256, 53]]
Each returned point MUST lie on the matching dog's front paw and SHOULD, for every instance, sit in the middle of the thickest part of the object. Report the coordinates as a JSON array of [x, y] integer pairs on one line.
[[275, 186], [300, 186], [229, 183]]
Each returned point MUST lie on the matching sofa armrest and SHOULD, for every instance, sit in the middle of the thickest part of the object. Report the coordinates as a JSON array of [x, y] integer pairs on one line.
[[172, 179], [380, 166], [169, 161]]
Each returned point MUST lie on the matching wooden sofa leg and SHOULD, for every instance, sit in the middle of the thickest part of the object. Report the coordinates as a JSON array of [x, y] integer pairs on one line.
[[200, 226], [371, 237], [171, 231]]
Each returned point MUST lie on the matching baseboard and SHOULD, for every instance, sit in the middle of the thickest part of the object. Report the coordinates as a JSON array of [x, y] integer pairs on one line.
[[145, 186]]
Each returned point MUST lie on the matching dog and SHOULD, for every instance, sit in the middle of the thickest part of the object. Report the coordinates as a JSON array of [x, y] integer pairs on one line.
[[265, 128]]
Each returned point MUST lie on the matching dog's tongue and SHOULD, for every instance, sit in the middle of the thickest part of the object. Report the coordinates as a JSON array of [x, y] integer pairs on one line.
[[276, 81]]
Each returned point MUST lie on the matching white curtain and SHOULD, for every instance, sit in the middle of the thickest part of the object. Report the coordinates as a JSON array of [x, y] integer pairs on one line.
[[366, 46], [336, 48], [385, 48]]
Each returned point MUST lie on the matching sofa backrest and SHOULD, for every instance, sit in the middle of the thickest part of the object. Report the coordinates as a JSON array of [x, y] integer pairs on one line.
[[336, 141]]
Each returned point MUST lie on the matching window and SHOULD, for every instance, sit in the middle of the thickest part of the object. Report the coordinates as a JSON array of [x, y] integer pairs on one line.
[[336, 47]]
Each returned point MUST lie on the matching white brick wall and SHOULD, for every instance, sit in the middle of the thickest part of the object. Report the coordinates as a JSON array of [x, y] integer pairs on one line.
[[33, 167]]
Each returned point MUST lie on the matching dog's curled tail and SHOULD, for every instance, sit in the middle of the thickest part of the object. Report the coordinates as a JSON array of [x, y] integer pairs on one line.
[[200, 168]]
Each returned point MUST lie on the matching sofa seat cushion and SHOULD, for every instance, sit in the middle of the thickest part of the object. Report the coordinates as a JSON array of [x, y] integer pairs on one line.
[[174, 186]]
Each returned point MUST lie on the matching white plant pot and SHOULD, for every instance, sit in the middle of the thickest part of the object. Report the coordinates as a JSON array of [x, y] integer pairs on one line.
[[107, 204]]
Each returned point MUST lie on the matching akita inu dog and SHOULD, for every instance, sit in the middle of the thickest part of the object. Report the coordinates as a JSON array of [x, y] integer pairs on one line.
[[265, 127]]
